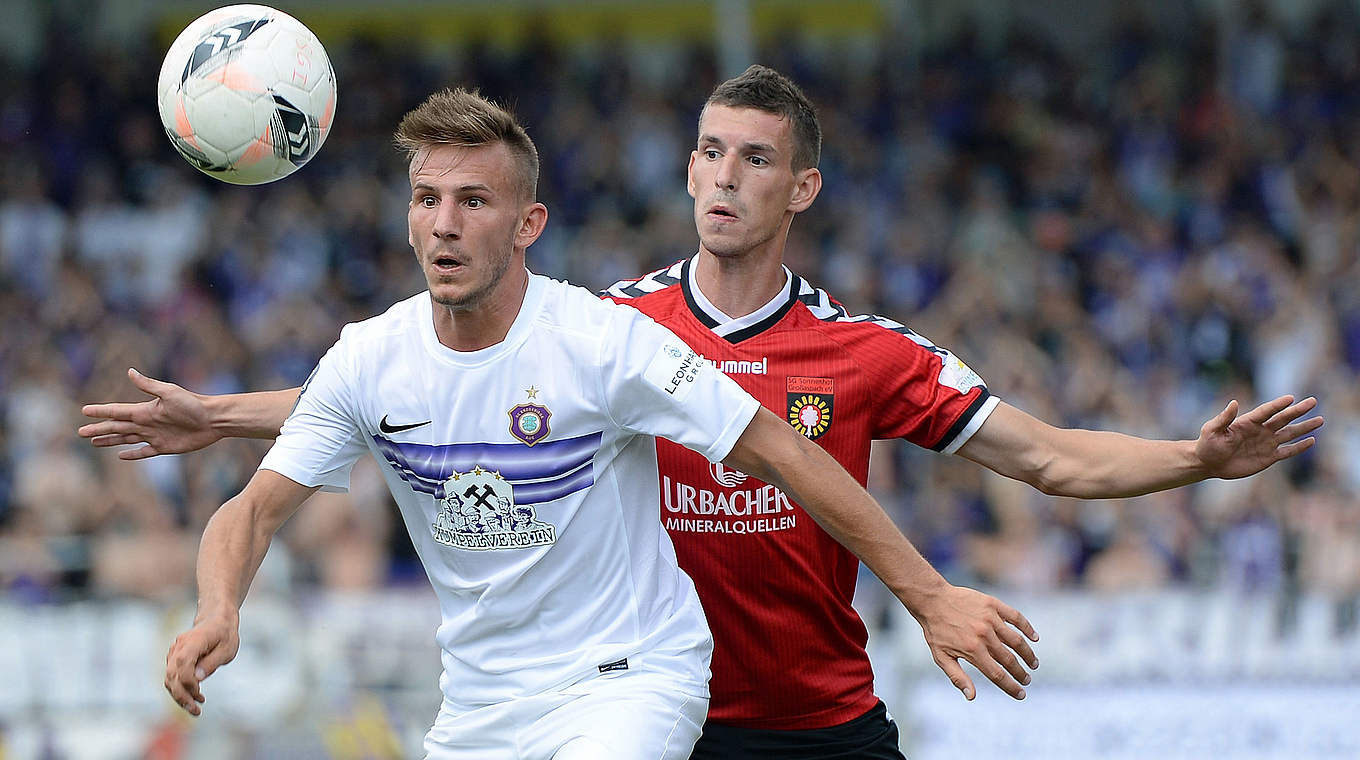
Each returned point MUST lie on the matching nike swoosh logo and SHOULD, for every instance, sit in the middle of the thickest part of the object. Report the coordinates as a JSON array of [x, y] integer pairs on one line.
[[389, 429]]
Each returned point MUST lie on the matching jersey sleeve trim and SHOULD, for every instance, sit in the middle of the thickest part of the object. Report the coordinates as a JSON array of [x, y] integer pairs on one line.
[[740, 421], [968, 423]]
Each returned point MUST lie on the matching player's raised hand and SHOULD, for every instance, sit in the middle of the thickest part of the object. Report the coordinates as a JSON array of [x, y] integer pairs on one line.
[[173, 421], [1233, 446], [195, 655], [962, 623]]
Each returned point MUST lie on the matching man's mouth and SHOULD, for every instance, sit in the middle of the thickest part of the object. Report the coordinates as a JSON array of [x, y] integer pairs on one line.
[[721, 212], [445, 263]]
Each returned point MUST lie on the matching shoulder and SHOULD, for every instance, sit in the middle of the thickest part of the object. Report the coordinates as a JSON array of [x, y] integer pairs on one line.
[[398, 318], [835, 322], [574, 309], [652, 282]]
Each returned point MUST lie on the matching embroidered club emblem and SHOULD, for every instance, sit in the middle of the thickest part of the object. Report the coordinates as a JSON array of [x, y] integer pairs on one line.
[[529, 423], [810, 404]]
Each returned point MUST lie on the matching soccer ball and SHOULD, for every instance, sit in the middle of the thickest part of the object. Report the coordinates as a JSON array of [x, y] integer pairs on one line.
[[246, 94]]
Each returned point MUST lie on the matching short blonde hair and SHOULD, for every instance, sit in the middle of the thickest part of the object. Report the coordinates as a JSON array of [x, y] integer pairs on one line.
[[465, 119]]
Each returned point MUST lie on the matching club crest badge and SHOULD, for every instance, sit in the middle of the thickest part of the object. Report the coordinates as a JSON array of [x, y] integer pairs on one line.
[[810, 404], [529, 422], [478, 512]]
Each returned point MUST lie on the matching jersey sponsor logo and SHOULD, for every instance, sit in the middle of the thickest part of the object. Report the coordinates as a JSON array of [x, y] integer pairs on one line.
[[760, 509], [388, 428], [529, 422], [810, 404], [726, 476], [478, 512], [674, 369], [743, 367], [738, 527], [609, 667]]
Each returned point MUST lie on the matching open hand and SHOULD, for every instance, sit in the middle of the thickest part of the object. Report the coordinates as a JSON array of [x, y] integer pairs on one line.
[[968, 624], [173, 421], [1232, 446]]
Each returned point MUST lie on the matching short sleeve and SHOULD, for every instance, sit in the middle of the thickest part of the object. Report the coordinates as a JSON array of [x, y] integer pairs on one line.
[[657, 385], [924, 393], [320, 441]]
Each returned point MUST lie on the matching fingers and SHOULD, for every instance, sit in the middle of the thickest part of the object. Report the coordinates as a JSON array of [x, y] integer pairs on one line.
[[141, 452], [1015, 641], [1013, 616], [149, 385], [985, 661], [1269, 409], [1296, 448], [181, 680], [1278, 420], [1298, 429], [960, 679], [1007, 659], [118, 411]]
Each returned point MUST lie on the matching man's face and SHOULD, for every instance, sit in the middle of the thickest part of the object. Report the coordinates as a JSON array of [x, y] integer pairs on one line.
[[741, 178], [465, 219]]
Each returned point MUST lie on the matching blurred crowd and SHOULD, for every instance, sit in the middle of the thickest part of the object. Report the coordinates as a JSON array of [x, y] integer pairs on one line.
[[1123, 237]]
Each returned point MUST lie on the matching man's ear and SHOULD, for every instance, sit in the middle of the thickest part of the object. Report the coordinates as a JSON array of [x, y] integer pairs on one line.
[[808, 183], [531, 225], [689, 173]]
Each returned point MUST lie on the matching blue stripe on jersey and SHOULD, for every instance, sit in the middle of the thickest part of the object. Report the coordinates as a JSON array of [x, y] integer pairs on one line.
[[544, 472]]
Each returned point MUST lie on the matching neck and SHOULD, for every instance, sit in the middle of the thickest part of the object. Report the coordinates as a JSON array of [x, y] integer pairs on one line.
[[486, 323], [738, 285]]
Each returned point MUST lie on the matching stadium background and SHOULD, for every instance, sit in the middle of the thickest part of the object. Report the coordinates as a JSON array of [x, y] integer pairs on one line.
[[1120, 214]]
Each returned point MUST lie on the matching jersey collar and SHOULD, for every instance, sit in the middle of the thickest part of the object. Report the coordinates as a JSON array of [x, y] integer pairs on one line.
[[737, 329]]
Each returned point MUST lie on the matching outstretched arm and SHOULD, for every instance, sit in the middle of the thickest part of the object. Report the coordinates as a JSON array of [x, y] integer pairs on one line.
[[233, 545], [958, 622], [175, 421], [1091, 464]]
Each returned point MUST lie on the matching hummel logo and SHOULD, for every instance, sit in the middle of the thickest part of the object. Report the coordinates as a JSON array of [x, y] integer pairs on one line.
[[389, 429]]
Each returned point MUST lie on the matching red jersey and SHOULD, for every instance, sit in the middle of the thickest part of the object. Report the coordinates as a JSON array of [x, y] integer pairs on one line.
[[789, 650]]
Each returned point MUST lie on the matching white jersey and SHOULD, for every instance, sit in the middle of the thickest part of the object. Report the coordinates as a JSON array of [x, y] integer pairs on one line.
[[526, 475]]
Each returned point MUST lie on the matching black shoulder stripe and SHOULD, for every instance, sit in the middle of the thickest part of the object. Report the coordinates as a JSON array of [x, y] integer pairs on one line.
[[827, 310], [648, 283]]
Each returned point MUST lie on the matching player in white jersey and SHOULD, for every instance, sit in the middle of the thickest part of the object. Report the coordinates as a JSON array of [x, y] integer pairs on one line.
[[514, 420]]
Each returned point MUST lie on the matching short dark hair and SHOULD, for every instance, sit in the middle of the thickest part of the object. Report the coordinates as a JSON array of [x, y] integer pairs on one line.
[[465, 119], [764, 89]]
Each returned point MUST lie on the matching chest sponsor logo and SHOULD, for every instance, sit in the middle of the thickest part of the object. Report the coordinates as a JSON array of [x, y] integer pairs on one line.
[[529, 422], [811, 401], [479, 513], [762, 509], [726, 476]]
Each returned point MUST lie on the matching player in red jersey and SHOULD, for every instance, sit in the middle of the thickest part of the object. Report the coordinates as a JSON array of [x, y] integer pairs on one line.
[[790, 674]]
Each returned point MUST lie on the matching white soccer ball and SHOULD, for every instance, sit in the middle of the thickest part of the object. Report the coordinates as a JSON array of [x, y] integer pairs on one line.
[[246, 94]]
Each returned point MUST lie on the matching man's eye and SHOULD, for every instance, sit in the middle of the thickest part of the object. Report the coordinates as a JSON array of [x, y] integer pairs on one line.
[[711, 154], [427, 201], [758, 161], [475, 202]]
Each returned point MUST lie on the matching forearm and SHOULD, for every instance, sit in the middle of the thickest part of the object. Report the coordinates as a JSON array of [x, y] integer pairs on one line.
[[236, 539], [1084, 464], [1091, 464], [229, 555], [250, 415], [813, 479]]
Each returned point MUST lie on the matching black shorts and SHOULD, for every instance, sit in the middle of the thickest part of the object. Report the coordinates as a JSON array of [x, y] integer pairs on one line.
[[871, 736]]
